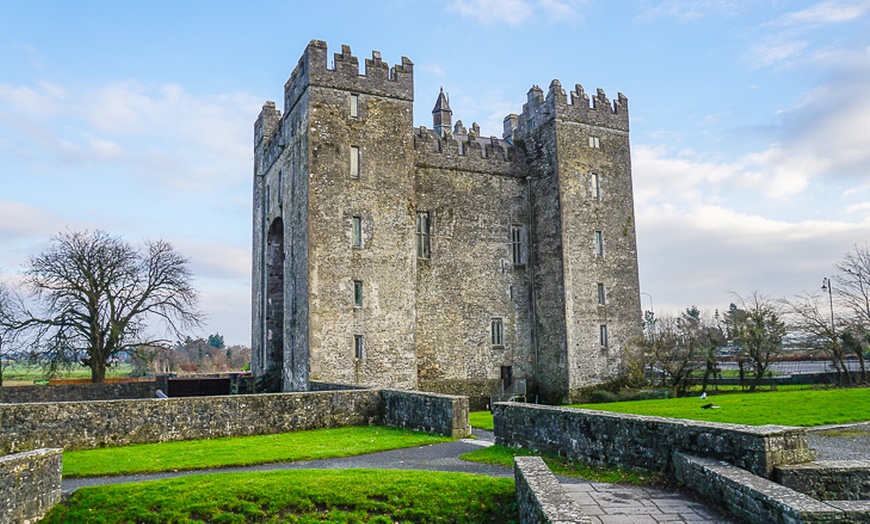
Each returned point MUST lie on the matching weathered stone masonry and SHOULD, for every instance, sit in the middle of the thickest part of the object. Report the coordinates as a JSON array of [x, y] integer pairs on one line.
[[438, 259]]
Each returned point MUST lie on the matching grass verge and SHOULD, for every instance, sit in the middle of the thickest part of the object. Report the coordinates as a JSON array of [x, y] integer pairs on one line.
[[361, 495], [787, 408], [504, 456], [241, 451], [481, 420]]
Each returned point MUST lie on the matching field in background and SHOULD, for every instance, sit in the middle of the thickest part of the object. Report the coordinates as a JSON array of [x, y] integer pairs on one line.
[[23, 374]]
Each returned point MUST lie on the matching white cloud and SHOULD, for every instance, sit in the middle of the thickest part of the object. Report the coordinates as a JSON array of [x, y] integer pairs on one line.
[[489, 12], [689, 10], [562, 10], [829, 12], [159, 132]]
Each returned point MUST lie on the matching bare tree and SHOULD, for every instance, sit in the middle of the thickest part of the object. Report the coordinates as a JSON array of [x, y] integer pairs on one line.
[[99, 296], [758, 330], [809, 318], [10, 311], [854, 294]]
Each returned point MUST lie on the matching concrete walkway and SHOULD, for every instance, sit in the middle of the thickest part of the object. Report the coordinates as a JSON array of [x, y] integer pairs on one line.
[[607, 503]]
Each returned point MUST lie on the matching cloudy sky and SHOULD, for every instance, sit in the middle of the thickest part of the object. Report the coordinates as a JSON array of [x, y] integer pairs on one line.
[[750, 122]]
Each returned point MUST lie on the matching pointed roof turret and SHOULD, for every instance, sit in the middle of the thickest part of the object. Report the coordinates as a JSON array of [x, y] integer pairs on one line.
[[442, 115]]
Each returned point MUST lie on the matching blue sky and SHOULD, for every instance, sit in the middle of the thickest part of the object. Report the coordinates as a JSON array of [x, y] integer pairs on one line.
[[750, 122]]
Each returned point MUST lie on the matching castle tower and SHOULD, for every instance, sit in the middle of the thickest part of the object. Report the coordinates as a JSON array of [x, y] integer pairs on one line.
[[442, 115], [587, 296], [333, 239]]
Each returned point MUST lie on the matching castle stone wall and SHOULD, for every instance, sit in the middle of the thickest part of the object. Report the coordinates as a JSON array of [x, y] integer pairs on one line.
[[29, 484], [88, 425], [647, 442]]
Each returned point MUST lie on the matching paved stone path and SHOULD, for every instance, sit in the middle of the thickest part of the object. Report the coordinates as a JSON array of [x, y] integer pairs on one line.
[[605, 503]]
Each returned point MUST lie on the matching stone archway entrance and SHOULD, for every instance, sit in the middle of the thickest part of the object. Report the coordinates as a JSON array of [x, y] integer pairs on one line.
[[274, 376]]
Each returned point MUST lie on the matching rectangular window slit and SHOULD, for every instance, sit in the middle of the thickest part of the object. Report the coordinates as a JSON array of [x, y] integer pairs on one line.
[[357, 232], [354, 162], [423, 234]]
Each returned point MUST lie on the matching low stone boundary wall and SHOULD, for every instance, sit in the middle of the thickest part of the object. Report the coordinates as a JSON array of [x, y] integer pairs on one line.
[[648, 442], [29, 484], [755, 499], [540, 497], [86, 425], [77, 392], [430, 412], [828, 480]]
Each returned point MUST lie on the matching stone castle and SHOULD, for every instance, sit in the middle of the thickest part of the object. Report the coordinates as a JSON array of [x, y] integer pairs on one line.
[[435, 258]]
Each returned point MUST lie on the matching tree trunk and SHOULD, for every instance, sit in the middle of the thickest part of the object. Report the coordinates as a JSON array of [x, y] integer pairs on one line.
[[98, 370]]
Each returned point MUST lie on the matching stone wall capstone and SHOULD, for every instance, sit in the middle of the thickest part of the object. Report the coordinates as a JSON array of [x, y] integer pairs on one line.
[[648, 442], [829, 479], [540, 497], [29, 484], [77, 392]]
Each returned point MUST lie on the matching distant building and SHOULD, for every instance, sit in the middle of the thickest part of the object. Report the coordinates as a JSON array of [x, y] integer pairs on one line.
[[438, 259]]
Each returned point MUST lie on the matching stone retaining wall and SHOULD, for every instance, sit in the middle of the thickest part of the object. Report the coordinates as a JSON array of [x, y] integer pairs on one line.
[[828, 480], [86, 425], [29, 484], [77, 392], [540, 497], [758, 500], [430, 412], [648, 442]]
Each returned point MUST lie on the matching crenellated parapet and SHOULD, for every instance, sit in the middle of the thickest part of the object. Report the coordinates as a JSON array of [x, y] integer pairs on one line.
[[466, 151], [576, 107], [266, 128], [378, 78]]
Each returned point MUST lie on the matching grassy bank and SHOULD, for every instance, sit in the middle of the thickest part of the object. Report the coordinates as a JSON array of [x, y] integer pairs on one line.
[[241, 451], [787, 408], [379, 496]]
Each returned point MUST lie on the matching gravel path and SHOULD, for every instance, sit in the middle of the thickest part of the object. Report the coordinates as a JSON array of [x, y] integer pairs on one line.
[[841, 442]]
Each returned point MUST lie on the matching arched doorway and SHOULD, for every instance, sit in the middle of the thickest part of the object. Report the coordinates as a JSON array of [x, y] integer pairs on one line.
[[274, 332]]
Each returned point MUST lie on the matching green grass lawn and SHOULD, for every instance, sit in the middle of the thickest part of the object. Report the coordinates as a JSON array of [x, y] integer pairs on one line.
[[504, 456], [481, 419], [22, 373], [241, 451], [361, 495], [788, 408]]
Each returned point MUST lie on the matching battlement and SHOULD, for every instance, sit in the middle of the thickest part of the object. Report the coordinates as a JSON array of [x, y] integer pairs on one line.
[[378, 78], [465, 151], [576, 108]]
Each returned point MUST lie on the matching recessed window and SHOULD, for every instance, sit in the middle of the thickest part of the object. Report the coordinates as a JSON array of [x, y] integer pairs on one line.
[[519, 246], [354, 106], [603, 335], [268, 198], [599, 244], [423, 234], [496, 329], [357, 293], [594, 142], [602, 297], [595, 186], [280, 187], [358, 347], [354, 162], [356, 233]]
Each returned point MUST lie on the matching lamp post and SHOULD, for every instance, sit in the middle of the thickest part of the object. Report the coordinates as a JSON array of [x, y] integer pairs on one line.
[[828, 286]]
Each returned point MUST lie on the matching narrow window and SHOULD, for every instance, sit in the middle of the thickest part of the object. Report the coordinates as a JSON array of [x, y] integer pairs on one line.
[[519, 246], [280, 187], [423, 234], [357, 293], [595, 186], [356, 235], [354, 106], [603, 335], [599, 244], [268, 198], [358, 347], [497, 332], [602, 297], [354, 162], [594, 142]]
